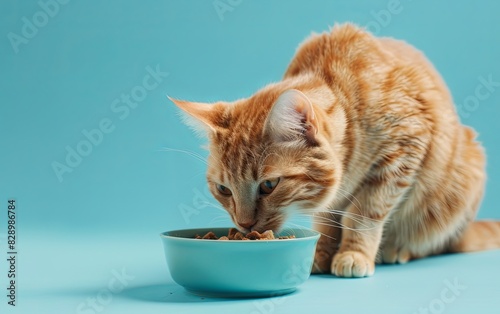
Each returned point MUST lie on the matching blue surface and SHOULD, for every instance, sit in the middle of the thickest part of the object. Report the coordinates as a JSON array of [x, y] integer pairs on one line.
[[67, 274], [72, 73]]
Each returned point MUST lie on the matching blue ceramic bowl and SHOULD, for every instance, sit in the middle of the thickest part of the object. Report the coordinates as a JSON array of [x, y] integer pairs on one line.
[[256, 268]]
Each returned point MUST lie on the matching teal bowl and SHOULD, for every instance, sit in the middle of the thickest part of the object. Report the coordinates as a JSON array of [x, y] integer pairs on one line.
[[259, 268]]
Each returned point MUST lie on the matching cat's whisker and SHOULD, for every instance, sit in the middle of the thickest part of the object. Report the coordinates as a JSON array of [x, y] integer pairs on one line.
[[357, 220], [218, 214], [323, 234], [360, 219], [348, 197], [217, 206], [196, 175], [275, 219], [345, 213], [290, 225], [340, 226], [334, 223], [189, 153], [218, 219], [286, 230], [363, 220], [349, 215]]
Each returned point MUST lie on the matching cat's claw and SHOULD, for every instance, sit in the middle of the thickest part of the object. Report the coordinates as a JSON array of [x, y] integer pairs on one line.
[[352, 264]]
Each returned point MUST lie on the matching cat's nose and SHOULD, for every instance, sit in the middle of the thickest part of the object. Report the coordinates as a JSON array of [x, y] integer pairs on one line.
[[247, 224]]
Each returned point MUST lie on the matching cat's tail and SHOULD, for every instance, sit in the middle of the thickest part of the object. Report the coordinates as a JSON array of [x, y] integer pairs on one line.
[[479, 236]]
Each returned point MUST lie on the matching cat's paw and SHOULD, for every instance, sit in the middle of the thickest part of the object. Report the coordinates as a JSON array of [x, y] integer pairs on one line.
[[352, 264], [322, 262], [392, 255]]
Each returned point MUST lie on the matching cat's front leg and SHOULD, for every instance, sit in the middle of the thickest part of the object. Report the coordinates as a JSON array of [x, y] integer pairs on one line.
[[329, 226], [363, 225], [361, 238]]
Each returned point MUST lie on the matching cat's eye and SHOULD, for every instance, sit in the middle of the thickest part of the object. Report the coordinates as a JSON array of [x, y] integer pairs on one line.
[[267, 187], [223, 190]]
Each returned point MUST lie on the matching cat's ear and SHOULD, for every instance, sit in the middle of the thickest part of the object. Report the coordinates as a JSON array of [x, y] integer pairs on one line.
[[291, 117], [199, 116]]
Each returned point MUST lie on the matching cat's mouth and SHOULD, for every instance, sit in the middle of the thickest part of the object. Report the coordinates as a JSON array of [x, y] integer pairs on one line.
[[274, 224]]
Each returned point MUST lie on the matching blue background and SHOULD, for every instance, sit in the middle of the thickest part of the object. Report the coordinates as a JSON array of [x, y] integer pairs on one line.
[[107, 213]]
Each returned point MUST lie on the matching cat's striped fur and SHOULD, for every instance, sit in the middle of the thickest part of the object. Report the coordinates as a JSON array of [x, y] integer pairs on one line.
[[362, 133]]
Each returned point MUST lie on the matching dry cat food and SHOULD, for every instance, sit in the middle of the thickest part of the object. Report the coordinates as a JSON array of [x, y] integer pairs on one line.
[[234, 234]]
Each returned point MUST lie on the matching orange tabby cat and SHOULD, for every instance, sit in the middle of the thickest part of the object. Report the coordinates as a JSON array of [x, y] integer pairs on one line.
[[362, 134]]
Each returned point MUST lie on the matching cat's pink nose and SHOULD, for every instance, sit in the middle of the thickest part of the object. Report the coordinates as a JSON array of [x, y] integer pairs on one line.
[[247, 224]]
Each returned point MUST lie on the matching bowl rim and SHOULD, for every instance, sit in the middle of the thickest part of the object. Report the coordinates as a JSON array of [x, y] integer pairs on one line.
[[315, 235]]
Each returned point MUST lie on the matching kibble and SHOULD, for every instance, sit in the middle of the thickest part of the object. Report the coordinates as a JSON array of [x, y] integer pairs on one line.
[[234, 234]]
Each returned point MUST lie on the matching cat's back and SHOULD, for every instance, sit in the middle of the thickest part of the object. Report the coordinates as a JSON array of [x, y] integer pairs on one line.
[[415, 62], [346, 47], [372, 72], [348, 52]]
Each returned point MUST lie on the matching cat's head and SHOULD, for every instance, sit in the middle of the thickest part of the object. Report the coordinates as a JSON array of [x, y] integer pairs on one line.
[[270, 156]]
